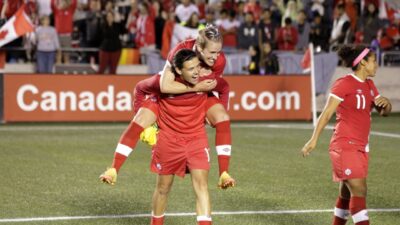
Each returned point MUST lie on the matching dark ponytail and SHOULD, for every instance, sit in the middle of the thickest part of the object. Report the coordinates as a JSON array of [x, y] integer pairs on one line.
[[348, 53]]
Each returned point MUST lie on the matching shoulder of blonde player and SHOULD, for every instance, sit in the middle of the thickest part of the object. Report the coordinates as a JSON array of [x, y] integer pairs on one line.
[[149, 135]]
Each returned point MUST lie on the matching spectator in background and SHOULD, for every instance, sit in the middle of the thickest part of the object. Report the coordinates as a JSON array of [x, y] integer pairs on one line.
[[319, 33], [110, 48], [253, 7], [287, 37], [93, 24], [63, 15], [254, 67], [341, 26], [193, 22], [47, 45], [291, 11], [228, 26], [303, 28], [269, 64], [159, 23], [44, 9], [145, 34], [267, 28], [240, 14], [369, 24], [247, 33], [184, 10], [131, 23], [167, 34]]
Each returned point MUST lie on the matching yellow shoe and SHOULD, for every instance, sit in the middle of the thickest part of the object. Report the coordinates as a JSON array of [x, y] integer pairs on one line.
[[226, 181], [149, 135], [109, 176]]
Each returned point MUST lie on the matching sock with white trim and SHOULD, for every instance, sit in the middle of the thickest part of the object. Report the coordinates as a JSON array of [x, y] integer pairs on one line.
[[126, 144], [203, 220], [223, 145], [341, 212], [157, 220], [358, 210]]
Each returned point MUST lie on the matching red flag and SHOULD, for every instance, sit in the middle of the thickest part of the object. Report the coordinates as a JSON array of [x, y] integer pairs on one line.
[[306, 61], [16, 26]]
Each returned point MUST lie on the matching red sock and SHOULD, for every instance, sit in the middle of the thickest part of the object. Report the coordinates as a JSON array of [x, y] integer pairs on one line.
[[203, 220], [341, 212], [126, 144], [157, 220], [358, 210], [223, 144]]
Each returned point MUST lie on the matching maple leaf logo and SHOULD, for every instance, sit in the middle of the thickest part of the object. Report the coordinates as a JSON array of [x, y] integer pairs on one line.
[[3, 34]]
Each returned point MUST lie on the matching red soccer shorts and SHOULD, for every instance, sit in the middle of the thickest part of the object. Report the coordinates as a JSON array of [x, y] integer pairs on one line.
[[348, 162], [211, 101], [151, 104], [173, 154]]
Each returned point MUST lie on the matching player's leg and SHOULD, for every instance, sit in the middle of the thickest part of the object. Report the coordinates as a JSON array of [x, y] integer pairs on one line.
[[219, 118], [160, 198], [203, 205], [341, 211], [358, 206]]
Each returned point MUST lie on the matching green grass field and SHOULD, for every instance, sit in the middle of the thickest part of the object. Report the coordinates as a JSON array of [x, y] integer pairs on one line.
[[51, 170]]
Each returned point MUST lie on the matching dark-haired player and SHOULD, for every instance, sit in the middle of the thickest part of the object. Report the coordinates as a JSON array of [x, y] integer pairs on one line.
[[352, 97]]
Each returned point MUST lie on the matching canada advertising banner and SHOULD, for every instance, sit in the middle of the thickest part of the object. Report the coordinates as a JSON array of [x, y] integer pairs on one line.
[[109, 98]]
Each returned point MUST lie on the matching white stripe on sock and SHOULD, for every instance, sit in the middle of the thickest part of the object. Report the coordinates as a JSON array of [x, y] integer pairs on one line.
[[342, 213], [152, 215], [123, 149], [223, 150], [360, 216], [204, 218]]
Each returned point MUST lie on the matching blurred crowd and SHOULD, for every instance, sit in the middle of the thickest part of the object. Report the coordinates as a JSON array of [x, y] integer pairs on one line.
[[256, 26]]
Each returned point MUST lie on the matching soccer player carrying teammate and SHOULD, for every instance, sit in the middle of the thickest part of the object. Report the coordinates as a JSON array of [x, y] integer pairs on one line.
[[182, 140], [352, 98], [208, 47]]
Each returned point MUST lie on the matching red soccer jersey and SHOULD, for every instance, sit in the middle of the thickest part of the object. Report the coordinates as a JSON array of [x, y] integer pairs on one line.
[[353, 115], [183, 114]]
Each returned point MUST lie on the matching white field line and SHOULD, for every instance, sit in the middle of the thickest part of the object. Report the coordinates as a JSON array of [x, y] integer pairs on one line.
[[268, 212], [300, 126]]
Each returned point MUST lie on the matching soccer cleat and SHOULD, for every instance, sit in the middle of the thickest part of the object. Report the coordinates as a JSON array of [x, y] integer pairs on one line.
[[149, 135], [226, 181], [109, 176]]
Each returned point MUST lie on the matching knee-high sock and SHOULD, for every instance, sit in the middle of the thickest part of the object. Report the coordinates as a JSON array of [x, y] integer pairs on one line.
[[358, 210], [126, 144], [203, 220], [223, 144], [341, 212]]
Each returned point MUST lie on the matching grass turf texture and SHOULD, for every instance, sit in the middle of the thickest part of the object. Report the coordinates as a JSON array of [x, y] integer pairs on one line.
[[51, 170]]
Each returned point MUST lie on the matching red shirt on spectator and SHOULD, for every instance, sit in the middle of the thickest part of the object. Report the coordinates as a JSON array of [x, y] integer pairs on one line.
[[287, 38], [253, 8], [63, 17]]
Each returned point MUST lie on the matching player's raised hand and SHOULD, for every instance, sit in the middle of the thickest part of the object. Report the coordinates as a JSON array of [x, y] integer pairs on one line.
[[226, 181], [206, 85], [308, 147], [109, 176]]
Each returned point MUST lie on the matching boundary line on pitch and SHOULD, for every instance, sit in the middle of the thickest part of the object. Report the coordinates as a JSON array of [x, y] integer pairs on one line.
[[303, 126], [268, 212]]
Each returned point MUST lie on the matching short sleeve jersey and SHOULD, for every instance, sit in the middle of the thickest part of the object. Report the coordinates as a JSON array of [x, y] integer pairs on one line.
[[353, 115], [183, 114]]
